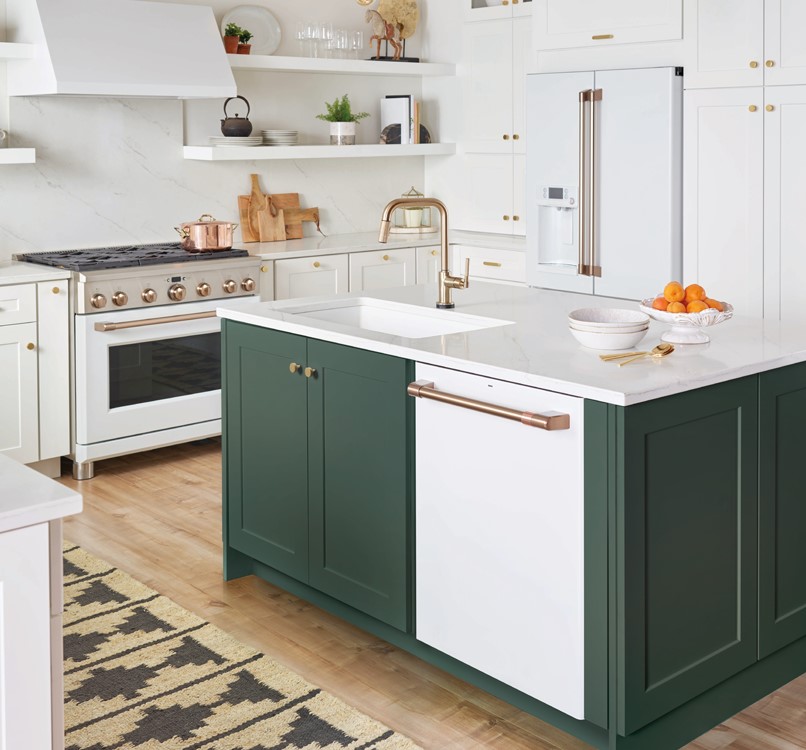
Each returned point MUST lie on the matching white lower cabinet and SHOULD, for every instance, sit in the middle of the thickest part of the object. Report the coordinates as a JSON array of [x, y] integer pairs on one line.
[[491, 264], [34, 371], [499, 554], [428, 262], [723, 228], [25, 664], [311, 277], [381, 269]]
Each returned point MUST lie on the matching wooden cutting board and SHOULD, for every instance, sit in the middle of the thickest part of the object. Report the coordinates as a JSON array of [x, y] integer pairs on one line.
[[272, 227], [278, 201]]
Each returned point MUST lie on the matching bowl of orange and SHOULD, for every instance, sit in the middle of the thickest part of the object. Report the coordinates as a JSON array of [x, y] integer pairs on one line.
[[688, 310]]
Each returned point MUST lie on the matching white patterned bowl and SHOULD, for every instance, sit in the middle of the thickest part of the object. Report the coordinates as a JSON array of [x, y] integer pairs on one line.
[[608, 340], [687, 327], [601, 318]]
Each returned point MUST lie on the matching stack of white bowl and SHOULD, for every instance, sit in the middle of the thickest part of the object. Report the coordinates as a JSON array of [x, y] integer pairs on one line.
[[608, 327]]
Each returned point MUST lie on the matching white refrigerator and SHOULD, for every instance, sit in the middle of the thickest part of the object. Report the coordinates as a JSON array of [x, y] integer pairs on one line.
[[604, 181]]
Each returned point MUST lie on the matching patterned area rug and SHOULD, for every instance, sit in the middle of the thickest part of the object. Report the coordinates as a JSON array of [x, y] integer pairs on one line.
[[142, 673]]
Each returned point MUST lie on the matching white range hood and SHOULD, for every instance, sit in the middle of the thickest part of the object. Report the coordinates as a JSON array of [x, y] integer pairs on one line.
[[119, 48]]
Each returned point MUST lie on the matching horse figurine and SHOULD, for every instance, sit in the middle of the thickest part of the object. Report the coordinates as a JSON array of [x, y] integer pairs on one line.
[[382, 31]]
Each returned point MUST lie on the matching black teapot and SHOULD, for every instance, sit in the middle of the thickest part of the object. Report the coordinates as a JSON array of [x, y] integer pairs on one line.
[[236, 126]]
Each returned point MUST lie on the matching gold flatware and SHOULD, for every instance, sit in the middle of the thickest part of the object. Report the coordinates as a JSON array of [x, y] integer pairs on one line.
[[622, 355], [661, 350]]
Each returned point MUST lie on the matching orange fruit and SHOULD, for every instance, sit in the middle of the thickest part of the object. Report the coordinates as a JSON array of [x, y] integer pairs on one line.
[[674, 292], [660, 303], [715, 303], [694, 292], [696, 305], [676, 307]]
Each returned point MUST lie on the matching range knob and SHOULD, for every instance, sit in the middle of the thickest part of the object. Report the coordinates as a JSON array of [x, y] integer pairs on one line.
[[248, 285], [230, 286], [177, 292], [119, 299], [98, 301], [149, 295], [203, 289]]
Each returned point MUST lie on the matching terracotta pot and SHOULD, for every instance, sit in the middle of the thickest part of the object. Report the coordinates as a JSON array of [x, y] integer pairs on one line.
[[244, 49], [230, 44]]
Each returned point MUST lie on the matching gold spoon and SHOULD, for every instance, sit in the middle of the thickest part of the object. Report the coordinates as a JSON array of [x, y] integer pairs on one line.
[[621, 355], [661, 350]]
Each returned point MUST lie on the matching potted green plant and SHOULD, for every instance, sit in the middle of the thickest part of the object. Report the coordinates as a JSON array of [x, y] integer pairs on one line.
[[342, 121], [244, 48], [232, 33]]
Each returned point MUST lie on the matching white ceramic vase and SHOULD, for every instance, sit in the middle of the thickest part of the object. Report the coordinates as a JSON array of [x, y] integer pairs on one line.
[[342, 133]]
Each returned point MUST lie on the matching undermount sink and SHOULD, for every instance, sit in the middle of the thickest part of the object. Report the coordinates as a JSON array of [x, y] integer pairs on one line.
[[393, 318]]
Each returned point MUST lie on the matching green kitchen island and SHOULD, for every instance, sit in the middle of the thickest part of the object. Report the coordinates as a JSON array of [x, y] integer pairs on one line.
[[634, 578]]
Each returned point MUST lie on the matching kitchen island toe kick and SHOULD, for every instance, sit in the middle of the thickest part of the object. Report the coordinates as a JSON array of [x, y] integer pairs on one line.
[[655, 560]]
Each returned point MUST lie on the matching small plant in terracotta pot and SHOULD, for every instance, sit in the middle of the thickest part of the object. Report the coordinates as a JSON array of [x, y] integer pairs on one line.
[[342, 121], [244, 48], [232, 33]]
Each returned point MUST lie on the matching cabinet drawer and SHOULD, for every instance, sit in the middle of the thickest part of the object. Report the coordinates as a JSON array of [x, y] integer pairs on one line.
[[490, 263], [310, 277], [17, 304]]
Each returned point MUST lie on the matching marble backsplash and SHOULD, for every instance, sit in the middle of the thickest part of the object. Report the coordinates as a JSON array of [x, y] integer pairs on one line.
[[111, 171]]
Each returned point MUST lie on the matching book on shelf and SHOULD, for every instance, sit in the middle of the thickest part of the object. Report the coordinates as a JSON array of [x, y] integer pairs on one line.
[[397, 119]]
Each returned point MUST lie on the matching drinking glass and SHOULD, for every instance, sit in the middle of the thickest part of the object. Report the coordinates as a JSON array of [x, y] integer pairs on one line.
[[356, 44], [324, 36], [341, 42]]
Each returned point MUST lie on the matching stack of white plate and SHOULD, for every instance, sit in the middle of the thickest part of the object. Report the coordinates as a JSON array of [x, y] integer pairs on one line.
[[608, 328], [236, 140], [280, 137]]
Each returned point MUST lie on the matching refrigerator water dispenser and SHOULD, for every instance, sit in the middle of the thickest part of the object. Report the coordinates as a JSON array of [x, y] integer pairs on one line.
[[557, 224]]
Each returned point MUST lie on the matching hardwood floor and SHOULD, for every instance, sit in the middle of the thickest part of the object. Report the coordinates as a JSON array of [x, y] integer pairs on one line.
[[157, 516]]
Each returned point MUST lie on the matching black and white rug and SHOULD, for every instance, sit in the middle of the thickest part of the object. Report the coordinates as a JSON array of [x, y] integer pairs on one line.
[[143, 673]]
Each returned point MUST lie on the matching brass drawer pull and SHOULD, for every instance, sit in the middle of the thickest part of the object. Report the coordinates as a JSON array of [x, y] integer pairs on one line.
[[516, 218], [56, 290], [386, 257], [506, 136], [516, 137], [770, 63], [754, 63], [491, 263], [598, 37], [435, 252], [316, 264], [505, 217], [30, 346], [770, 108], [548, 421], [752, 108]]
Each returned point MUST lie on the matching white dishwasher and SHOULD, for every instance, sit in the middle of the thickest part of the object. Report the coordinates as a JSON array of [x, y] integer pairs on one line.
[[499, 532]]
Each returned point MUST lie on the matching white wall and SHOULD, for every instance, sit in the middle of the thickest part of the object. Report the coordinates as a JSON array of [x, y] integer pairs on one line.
[[110, 171]]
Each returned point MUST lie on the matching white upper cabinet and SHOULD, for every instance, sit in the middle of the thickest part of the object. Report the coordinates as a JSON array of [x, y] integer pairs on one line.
[[784, 49], [784, 198], [745, 43], [561, 24], [723, 231], [487, 10]]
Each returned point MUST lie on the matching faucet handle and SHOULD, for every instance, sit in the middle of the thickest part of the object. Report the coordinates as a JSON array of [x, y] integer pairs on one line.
[[466, 279]]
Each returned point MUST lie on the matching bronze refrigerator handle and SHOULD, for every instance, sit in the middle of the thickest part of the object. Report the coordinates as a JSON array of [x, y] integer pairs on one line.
[[593, 269], [547, 421], [106, 327], [582, 208]]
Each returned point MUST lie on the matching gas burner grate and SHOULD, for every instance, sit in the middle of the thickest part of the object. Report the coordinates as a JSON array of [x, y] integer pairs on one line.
[[125, 256]]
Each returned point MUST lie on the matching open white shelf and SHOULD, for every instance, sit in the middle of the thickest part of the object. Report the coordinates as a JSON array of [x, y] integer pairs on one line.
[[17, 155], [271, 63], [251, 153], [16, 51]]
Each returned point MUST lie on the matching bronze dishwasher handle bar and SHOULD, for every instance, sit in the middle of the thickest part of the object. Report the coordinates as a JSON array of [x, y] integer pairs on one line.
[[105, 327], [547, 421]]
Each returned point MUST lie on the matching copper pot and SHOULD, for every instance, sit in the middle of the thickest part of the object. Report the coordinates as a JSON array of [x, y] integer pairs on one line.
[[206, 234]]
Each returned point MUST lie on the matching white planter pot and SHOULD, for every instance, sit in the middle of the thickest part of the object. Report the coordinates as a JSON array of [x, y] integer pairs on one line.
[[342, 133]]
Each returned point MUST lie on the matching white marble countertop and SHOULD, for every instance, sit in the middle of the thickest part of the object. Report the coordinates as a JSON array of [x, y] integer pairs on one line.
[[20, 272], [364, 241], [28, 497], [538, 350]]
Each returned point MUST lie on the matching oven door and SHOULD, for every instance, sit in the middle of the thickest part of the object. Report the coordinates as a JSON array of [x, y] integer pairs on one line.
[[146, 370]]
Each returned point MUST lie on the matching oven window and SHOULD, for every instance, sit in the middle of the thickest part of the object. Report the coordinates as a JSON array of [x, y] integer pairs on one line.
[[159, 370]]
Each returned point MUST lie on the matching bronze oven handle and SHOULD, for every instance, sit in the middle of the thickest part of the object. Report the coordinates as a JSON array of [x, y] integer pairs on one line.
[[105, 327]]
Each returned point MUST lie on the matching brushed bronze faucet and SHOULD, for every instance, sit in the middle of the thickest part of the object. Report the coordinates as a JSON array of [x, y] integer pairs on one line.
[[447, 283]]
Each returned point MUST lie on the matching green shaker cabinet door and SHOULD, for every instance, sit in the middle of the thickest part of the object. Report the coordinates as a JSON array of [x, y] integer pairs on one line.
[[782, 508], [687, 518], [359, 479], [266, 447]]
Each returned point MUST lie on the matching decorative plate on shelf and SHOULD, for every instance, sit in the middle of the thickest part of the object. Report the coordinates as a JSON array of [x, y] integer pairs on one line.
[[266, 34], [686, 327]]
